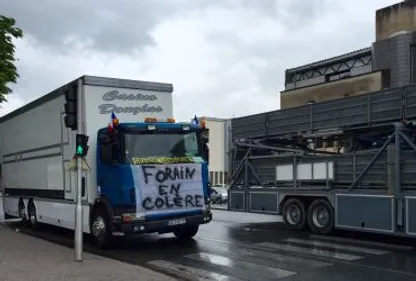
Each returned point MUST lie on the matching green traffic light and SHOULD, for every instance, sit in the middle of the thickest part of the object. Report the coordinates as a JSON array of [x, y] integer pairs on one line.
[[80, 150], [81, 147]]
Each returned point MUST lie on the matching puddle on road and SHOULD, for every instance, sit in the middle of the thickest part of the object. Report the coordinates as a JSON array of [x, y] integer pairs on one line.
[[253, 229], [249, 270]]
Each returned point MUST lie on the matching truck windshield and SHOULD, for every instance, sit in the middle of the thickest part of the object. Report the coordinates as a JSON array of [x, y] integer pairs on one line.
[[152, 148]]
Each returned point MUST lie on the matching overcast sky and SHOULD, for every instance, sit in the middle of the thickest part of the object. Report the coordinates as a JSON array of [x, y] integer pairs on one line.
[[224, 57]]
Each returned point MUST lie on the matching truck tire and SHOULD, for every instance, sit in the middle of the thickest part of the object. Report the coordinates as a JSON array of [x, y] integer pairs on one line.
[[101, 228], [321, 217], [32, 215], [186, 232], [294, 214]]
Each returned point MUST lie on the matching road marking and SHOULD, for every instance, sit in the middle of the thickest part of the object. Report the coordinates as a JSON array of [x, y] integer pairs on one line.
[[337, 246], [259, 253], [252, 253], [361, 242], [215, 240], [189, 272], [305, 250], [250, 270]]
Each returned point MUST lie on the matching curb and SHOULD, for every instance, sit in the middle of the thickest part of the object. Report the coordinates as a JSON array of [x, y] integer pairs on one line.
[[219, 208]]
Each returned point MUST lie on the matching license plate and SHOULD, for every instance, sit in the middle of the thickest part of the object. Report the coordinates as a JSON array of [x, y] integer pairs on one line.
[[177, 222]]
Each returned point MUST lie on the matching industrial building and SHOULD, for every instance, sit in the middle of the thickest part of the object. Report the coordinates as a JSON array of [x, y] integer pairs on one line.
[[340, 153], [390, 61]]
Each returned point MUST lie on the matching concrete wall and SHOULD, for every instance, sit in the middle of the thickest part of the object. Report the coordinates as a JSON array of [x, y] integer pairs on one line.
[[333, 90], [219, 138], [395, 46], [398, 54], [395, 18]]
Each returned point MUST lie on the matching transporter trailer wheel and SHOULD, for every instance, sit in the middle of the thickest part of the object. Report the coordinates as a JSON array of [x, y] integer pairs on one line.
[[294, 214], [321, 217], [100, 228]]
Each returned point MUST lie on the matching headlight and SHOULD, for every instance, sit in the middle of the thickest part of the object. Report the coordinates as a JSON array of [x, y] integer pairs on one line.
[[151, 127]]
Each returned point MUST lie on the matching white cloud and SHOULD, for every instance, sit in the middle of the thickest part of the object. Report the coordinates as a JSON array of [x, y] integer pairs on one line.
[[222, 59]]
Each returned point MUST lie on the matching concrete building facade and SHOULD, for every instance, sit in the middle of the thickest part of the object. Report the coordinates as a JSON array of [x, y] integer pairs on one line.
[[346, 75], [389, 62], [395, 46], [219, 130]]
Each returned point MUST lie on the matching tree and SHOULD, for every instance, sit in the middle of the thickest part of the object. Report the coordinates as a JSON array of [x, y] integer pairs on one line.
[[8, 70]]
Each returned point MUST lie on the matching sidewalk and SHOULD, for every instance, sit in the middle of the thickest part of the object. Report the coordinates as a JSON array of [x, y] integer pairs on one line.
[[24, 257], [219, 207]]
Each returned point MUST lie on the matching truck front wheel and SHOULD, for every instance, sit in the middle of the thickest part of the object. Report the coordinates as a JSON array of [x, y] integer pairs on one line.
[[186, 232], [100, 228]]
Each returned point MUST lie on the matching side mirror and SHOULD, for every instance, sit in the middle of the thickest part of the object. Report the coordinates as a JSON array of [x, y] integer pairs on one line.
[[104, 139], [206, 152], [113, 154], [109, 153], [209, 188]]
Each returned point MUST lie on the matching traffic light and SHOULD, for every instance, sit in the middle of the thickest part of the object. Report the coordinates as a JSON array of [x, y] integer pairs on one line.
[[81, 145], [71, 106]]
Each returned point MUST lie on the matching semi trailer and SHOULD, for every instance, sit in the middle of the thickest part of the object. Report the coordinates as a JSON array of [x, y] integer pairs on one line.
[[143, 171], [343, 164]]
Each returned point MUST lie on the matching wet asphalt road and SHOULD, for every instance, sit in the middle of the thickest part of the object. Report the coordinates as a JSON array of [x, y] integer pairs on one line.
[[241, 246]]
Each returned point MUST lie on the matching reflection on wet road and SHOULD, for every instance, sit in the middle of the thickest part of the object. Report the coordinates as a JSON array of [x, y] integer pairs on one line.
[[241, 246]]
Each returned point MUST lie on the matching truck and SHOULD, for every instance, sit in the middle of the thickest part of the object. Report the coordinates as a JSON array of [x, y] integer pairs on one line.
[[341, 164], [143, 172]]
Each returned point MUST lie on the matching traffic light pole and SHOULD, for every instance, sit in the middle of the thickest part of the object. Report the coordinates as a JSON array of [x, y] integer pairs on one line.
[[78, 213], [78, 208]]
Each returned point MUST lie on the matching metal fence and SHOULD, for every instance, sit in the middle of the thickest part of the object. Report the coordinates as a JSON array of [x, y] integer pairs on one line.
[[386, 106], [347, 167]]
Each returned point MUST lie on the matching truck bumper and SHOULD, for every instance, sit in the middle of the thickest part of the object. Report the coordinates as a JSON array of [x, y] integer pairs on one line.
[[160, 226]]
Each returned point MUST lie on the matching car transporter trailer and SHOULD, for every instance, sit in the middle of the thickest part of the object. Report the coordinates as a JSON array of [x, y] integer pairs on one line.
[[369, 186]]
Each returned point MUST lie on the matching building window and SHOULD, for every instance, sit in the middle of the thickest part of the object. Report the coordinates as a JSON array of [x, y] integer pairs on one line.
[[412, 63], [337, 76], [226, 181], [1, 180]]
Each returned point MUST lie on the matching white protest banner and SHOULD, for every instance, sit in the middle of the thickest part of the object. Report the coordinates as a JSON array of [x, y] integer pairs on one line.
[[168, 188]]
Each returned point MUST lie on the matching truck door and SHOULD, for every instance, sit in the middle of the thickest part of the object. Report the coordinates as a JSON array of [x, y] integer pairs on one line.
[[109, 167]]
